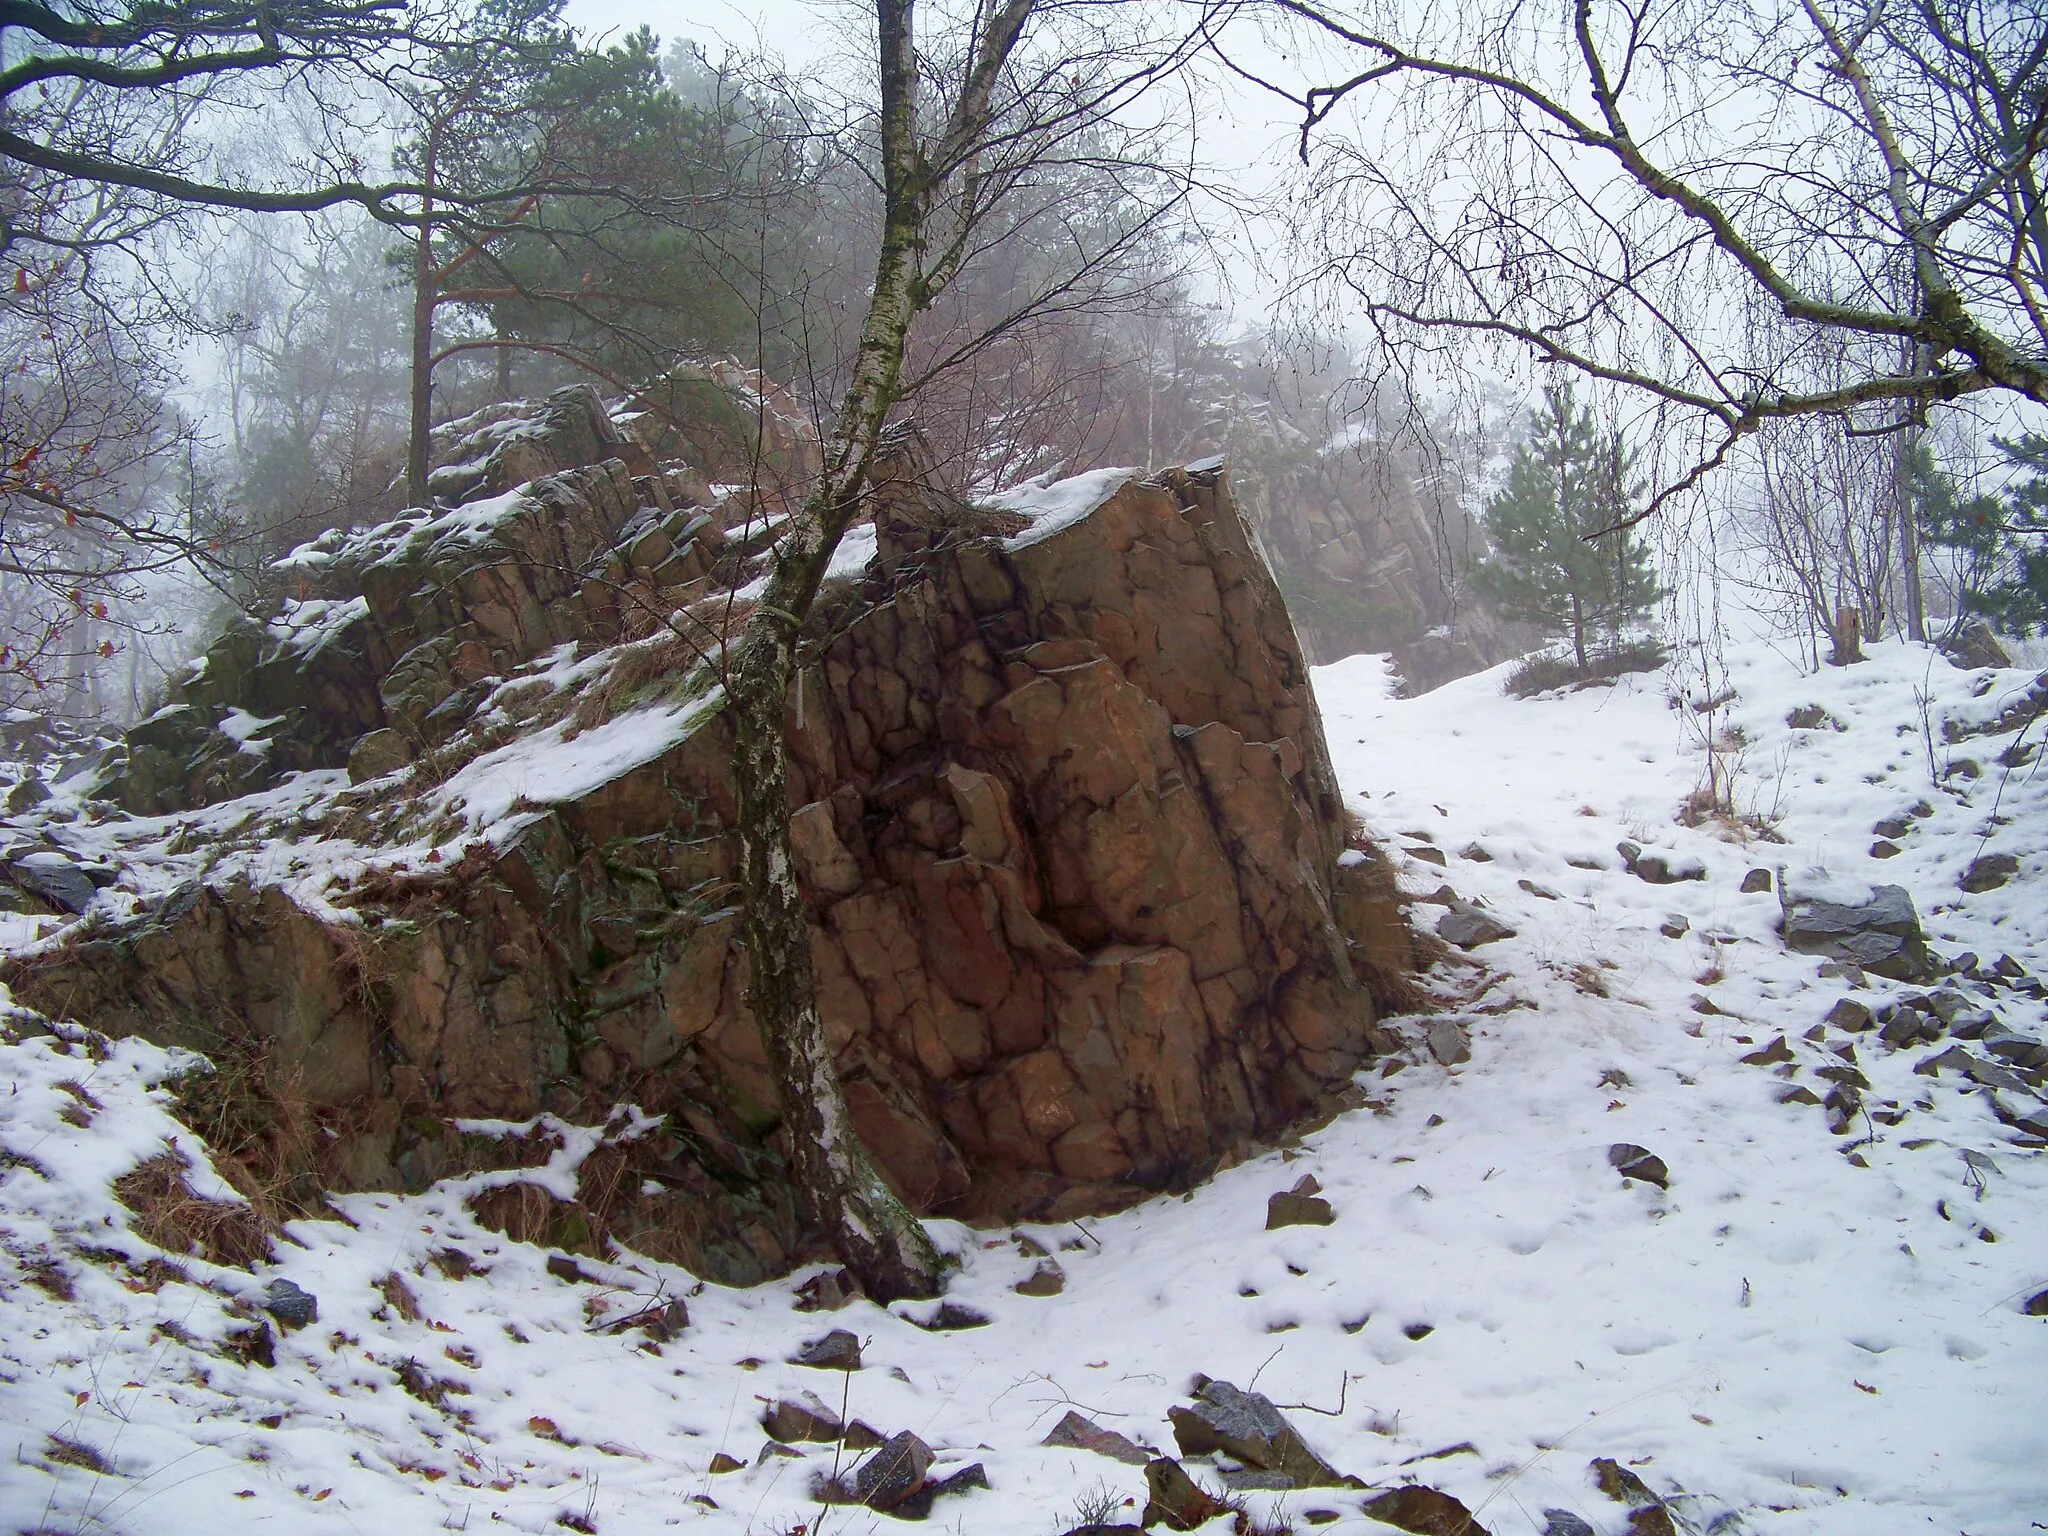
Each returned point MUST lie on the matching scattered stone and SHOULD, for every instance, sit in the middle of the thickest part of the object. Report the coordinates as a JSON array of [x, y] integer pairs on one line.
[[292, 1307], [1989, 871], [1753, 882], [1047, 1279], [1449, 1043], [1469, 928], [55, 878], [2021, 1050], [1799, 1096], [1542, 892], [1676, 926], [1174, 1499], [892, 1472], [1424, 1511], [1851, 1016], [722, 1463], [1427, 855], [1029, 1246], [26, 795], [1984, 1073], [1883, 849], [1875, 928], [1475, 854], [952, 1317], [2037, 1304], [1075, 1433], [802, 1418], [1975, 648], [1908, 1025], [1811, 717], [1562, 1522], [836, 1351], [1648, 1515], [862, 1436], [566, 1269], [1777, 1051], [918, 1504], [1247, 1427], [1299, 1207], [1659, 868], [827, 1292], [1639, 1163]]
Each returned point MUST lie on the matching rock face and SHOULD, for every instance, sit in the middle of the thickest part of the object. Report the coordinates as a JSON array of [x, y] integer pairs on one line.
[[1874, 927], [1367, 566], [1084, 920]]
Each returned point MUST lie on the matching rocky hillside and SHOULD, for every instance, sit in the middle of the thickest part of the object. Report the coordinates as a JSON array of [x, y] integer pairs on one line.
[[441, 840], [1371, 563]]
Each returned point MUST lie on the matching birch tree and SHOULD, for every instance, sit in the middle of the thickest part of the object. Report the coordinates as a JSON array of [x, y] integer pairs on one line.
[[970, 109]]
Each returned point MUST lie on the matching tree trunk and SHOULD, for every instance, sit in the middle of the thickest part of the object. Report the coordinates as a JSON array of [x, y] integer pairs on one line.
[[877, 1236], [425, 298], [1579, 633], [1846, 637]]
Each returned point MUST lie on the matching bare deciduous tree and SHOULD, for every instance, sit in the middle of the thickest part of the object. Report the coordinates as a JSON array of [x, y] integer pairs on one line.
[[1708, 204]]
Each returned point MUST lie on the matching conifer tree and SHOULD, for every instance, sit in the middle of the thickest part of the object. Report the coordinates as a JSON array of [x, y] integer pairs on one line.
[[1550, 565]]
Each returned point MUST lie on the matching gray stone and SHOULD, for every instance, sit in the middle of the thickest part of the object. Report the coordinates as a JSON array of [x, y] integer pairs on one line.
[[836, 1351], [1676, 926], [1248, 1428], [1449, 1043], [2037, 1304], [1424, 1511], [1850, 1015], [26, 795], [802, 1418], [1562, 1522], [1880, 934], [55, 878], [1754, 881], [291, 1306], [893, 1472], [1639, 1163], [1471, 928], [2021, 1050]]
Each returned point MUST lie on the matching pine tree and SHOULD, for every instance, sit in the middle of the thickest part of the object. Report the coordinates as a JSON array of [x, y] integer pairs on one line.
[[1568, 481]]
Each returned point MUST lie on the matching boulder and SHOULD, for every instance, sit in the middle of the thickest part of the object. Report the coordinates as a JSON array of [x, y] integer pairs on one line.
[[1987, 872], [1248, 1428], [1874, 927], [1301, 1206], [838, 1350], [1974, 646], [1086, 915]]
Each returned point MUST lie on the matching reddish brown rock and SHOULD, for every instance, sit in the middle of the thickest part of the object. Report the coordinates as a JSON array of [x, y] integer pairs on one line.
[[1067, 827]]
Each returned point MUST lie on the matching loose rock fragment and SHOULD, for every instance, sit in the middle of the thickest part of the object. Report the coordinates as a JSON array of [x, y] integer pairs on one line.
[[1076, 1433], [802, 1418], [1449, 1043], [893, 1472], [291, 1306], [1299, 1207], [1174, 1498], [1640, 1163], [1425, 1511], [1770, 1056], [836, 1351], [1047, 1279], [1247, 1427], [1471, 928]]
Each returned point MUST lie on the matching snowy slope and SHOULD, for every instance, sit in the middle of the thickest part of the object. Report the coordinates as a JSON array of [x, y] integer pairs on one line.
[[1802, 1341]]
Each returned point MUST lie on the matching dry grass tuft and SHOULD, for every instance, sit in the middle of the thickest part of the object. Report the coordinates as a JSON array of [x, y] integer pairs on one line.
[[171, 1215], [76, 1453]]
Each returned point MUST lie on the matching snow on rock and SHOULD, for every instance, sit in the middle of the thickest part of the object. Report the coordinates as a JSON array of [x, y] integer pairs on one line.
[[1052, 505]]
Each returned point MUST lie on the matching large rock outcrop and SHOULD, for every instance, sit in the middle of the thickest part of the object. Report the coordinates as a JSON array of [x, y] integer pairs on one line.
[[1370, 564], [1086, 919]]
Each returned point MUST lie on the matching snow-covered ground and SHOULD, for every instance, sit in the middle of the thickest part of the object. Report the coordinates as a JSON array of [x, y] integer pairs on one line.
[[1806, 1333]]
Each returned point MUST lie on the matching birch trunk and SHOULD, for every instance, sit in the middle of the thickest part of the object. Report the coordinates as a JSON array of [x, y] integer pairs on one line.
[[876, 1235]]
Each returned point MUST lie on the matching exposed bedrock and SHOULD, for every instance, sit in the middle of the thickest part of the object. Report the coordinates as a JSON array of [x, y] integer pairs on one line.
[[1085, 917]]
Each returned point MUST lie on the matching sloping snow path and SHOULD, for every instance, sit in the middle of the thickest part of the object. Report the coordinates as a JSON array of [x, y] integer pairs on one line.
[[1799, 1343]]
